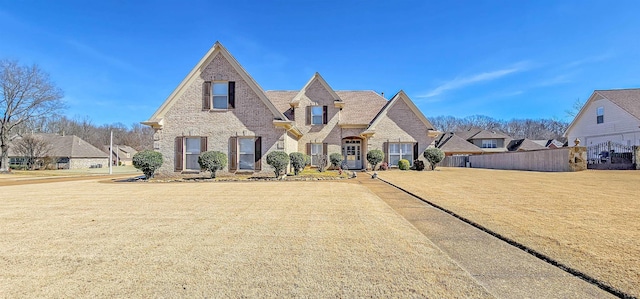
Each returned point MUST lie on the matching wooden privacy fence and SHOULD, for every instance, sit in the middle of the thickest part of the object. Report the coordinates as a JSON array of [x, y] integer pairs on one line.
[[553, 160], [454, 161]]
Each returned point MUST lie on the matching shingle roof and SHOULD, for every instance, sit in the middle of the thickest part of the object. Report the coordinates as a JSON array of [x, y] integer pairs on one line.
[[452, 143], [524, 145], [360, 106], [484, 134], [69, 146], [627, 99]]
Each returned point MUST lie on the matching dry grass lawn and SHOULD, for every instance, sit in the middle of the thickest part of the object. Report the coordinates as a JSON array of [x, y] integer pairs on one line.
[[588, 220], [256, 239]]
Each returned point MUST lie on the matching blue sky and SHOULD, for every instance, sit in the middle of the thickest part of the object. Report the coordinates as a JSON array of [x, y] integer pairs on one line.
[[117, 61]]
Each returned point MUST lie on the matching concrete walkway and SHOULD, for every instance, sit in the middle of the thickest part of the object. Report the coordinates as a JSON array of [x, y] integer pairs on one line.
[[505, 271]]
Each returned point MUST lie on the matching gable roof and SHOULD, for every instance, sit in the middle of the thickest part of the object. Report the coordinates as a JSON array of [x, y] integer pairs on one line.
[[315, 77], [484, 134], [360, 106], [400, 96], [156, 120], [452, 143], [627, 99], [68, 146], [524, 145]]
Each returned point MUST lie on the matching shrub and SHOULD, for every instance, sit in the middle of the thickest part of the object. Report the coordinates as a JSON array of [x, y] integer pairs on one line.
[[374, 157], [298, 161], [418, 165], [403, 164], [278, 160], [148, 162], [336, 159], [322, 163], [212, 161], [433, 156]]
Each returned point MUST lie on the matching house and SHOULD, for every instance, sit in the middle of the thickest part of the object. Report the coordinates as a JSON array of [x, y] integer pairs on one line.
[[549, 143], [220, 107], [476, 141], [65, 152], [608, 115], [121, 154]]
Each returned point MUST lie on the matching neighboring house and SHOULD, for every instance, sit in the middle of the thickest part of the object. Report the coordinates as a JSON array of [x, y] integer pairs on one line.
[[549, 143], [122, 154], [608, 115], [67, 152], [519, 145], [477, 141], [220, 107]]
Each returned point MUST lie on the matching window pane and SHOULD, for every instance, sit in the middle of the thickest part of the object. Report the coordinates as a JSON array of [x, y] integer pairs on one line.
[[246, 145], [394, 148], [220, 102], [316, 115], [246, 150], [193, 146], [192, 162], [393, 160], [221, 88]]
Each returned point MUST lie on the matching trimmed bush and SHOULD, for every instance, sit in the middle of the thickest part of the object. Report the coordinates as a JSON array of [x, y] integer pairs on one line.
[[278, 160], [212, 161], [418, 165], [336, 159], [148, 162], [433, 156], [403, 164], [298, 161], [374, 157]]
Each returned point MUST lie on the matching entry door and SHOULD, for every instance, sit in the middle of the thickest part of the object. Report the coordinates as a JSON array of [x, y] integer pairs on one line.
[[352, 154]]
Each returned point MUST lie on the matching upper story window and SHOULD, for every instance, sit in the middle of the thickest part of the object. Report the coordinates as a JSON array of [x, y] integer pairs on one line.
[[600, 115], [489, 143], [219, 95], [316, 115]]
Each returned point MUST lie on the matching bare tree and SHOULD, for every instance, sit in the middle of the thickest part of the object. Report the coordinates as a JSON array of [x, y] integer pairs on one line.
[[33, 148], [27, 94], [575, 108]]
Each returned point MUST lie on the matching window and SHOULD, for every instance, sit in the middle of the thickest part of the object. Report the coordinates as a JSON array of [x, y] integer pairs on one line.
[[219, 95], [489, 143], [246, 153], [187, 150], [316, 153], [316, 115], [192, 151], [600, 115], [399, 151]]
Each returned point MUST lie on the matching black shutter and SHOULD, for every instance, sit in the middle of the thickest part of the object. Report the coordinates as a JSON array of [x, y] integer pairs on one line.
[[258, 154], [206, 95], [385, 150], [233, 153], [324, 115], [178, 153], [203, 144], [415, 151], [308, 120], [324, 149], [309, 149], [232, 94]]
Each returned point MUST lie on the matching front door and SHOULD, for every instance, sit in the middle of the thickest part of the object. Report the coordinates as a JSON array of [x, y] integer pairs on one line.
[[352, 153]]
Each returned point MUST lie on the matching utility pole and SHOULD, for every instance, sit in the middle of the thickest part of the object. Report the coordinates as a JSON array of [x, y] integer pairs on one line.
[[111, 154]]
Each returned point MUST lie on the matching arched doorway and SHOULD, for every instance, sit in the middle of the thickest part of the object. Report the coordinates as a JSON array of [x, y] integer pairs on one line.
[[352, 152]]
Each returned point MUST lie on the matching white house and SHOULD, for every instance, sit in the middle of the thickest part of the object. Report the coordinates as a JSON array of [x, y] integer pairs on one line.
[[608, 115]]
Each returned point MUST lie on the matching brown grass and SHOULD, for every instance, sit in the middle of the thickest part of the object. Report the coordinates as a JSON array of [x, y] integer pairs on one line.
[[587, 220], [257, 239]]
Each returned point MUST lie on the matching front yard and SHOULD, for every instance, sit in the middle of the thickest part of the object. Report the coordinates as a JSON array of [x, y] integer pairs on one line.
[[235, 239], [588, 220]]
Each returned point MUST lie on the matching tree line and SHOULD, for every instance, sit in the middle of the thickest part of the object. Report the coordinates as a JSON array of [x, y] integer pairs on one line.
[[516, 128], [136, 135]]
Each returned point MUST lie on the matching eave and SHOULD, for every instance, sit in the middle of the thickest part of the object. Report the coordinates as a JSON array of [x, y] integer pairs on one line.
[[288, 126]]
